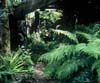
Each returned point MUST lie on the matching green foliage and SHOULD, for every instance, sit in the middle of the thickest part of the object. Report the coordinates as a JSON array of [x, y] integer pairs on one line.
[[51, 15], [11, 5], [48, 20], [58, 53], [68, 68], [14, 63], [78, 54], [91, 28], [36, 45], [67, 54], [13, 2], [96, 66], [68, 34], [86, 36], [66, 60]]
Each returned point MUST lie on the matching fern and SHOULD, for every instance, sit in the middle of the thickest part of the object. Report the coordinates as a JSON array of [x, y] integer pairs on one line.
[[62, 51], [93, 49], [58, 54], [70, 58], [96, 66], [70, 35], [79, 47], [68, 68], [64, 61], [86, 36], [15, 62], [91, 28], [98, 77]]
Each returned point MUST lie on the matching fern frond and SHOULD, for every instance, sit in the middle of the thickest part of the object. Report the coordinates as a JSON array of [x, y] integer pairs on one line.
[[88, 37], [70, 35], [79, 47], [71, 57], [15, 62], [51, 69], [96, 66], [93, 49], [98, 77], [68, 68], [58, 54]]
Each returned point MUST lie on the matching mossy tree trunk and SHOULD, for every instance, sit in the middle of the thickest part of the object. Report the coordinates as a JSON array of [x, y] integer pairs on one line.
[[4, 29]]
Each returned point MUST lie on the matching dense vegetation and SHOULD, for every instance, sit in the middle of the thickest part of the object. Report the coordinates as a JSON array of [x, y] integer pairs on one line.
[[66, 54], [78, 60], [71, 57]]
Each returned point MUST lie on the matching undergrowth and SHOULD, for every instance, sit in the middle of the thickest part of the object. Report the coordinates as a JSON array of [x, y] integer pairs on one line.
[[68, 60]]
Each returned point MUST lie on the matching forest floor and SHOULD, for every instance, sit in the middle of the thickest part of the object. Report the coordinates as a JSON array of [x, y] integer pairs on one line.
[[39, 75]]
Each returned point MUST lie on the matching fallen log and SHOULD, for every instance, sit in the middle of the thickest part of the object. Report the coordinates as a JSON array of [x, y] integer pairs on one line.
[[28, 6]]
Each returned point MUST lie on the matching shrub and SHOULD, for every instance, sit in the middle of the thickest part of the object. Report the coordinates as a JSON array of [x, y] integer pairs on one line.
[[14, 64]]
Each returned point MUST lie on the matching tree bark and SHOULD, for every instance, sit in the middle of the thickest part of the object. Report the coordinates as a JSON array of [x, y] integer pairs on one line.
[[4, 30]]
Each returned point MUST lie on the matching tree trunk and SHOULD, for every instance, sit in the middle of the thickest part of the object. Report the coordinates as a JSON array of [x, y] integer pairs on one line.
[[4, 30]]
